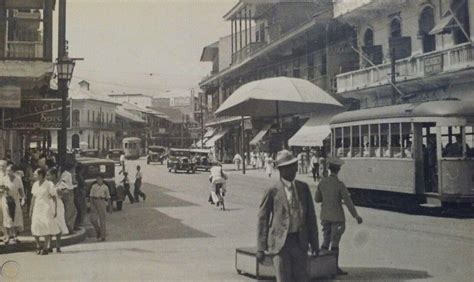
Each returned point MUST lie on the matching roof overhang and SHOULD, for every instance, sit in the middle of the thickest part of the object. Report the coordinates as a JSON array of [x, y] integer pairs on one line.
[[210, 52]]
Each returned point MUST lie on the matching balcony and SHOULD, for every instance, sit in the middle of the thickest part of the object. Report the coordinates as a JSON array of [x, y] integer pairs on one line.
[[346, 8], [457, 58], [247, 51], [24, 50]]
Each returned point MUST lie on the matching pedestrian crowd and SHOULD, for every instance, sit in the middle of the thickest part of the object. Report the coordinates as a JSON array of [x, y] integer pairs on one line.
[[40, 197]]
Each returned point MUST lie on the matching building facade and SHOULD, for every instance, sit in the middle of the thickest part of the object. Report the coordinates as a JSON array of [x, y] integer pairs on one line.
[[297, 39], [409, 51], [26, 68]]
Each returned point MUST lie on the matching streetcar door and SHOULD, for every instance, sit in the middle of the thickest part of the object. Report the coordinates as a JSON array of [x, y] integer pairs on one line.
[[428, 177]]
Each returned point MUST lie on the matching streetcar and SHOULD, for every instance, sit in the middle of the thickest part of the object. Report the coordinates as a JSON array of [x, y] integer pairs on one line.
[[423, 151], [132, 147]]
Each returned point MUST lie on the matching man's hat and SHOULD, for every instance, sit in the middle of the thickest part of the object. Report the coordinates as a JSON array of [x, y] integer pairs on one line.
[[335, 161], [285, 158]]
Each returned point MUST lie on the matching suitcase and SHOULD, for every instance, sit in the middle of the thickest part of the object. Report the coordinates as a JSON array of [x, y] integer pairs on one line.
[[322, 266]]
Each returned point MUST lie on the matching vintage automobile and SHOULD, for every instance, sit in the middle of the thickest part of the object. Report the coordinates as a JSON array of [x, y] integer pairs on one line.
[[180, 159], [114, 155], [156, 154], [92, 167], [203, 159], [89, 153]]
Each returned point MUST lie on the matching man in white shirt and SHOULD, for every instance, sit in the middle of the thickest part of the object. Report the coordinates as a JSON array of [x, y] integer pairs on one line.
[[65, 184]]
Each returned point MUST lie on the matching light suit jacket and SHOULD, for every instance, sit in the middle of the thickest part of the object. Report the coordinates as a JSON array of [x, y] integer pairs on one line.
[[274, 219]]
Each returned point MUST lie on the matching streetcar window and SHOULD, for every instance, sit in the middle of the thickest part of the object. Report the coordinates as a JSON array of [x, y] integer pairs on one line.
[[395, 144], [469, 141], [374, 140], [365, 141], [356, 142], [338, 142], [346, 143], [385, 140], [451, 140], [407, 140], [126, 145]]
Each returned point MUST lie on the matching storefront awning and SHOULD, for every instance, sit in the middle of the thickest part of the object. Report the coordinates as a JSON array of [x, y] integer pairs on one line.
[[198, 143], [209, 133], [212, 141], [444, 25], [312, 133], [260, 135]]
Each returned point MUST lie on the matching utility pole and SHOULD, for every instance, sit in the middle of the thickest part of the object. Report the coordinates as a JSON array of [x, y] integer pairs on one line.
[[393, 77], [202, 121], [182, 132], [62, 83]]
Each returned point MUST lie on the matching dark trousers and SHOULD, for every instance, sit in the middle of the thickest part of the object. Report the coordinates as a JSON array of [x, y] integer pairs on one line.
[[81, 207], [332, 233], [315, 171], [291, 263], [126, 189], [138, 192]]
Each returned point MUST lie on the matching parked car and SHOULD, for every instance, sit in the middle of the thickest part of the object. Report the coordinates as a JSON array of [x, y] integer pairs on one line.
[[180, 159], [156, 154], [203, 159], [89, 153], [92, 167], [114, 155]]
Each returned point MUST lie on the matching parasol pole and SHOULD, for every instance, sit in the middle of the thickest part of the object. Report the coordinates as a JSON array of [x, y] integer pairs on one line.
[[242, 133], [278, 124]]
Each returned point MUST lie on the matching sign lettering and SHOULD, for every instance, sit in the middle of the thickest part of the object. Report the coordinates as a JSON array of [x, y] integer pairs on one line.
[[433, 65], [37, 113]]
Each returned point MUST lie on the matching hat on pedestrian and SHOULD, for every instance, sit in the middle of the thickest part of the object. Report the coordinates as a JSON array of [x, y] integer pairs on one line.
[[285, 158], [335, 161]]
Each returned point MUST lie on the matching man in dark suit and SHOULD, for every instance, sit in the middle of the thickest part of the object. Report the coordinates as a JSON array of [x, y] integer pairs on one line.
[[287, 223], [331, 193]]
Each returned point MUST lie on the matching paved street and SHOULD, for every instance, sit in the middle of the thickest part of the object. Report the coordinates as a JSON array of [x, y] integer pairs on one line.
[[177, 236]]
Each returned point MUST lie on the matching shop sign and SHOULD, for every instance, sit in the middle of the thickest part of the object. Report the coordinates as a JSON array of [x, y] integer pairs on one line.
[[37, 113], [433, 64], [10, 97]]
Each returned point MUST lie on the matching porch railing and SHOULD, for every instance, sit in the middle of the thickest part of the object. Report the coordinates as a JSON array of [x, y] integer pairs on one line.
[[418, 66]]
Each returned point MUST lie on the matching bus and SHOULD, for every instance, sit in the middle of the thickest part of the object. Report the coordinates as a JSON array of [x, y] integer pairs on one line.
[[424, 151], [132, 147]]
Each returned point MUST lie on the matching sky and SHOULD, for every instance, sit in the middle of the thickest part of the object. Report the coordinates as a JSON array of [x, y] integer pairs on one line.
[[139, 46]]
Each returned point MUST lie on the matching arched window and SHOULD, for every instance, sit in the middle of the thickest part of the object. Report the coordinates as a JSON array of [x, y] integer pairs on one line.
[[369, 37], [395, 28], [426, 23]]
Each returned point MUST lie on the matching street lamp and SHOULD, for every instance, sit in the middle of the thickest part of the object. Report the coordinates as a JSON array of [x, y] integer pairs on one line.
[[65, 68]]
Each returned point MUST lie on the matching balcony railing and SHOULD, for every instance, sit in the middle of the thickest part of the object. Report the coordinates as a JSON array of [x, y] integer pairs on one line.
[[24, 50], [247, 51], [453, 59]]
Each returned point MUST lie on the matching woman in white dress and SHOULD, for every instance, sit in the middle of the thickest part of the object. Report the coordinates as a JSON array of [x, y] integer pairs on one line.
[[52, 176], [268, 165], [43, 211], [12, 218]]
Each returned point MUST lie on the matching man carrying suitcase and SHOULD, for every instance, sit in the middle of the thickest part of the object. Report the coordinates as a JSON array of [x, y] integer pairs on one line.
[[330, 193], [287, 223]]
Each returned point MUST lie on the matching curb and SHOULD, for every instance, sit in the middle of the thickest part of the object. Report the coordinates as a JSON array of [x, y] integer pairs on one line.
[[28, 243]]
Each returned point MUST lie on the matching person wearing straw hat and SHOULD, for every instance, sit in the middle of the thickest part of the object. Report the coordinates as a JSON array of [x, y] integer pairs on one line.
[[331, 192], [287, 223]]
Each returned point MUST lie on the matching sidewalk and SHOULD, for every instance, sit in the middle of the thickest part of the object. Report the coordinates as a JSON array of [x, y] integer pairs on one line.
[[28, 242]]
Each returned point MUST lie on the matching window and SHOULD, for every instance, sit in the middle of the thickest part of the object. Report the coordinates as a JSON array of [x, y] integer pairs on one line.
[[310, 62], [407, 141], [395, 28], [88, 118], [369, 37], [460, 8], [426, 23], [365, 141], [93, 117], [323, 70], [338, 142], [453, 143], [395, 142], [296, 68], [470, 141], [76, 115], [356, 142], [385, 140], [346, 142]]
